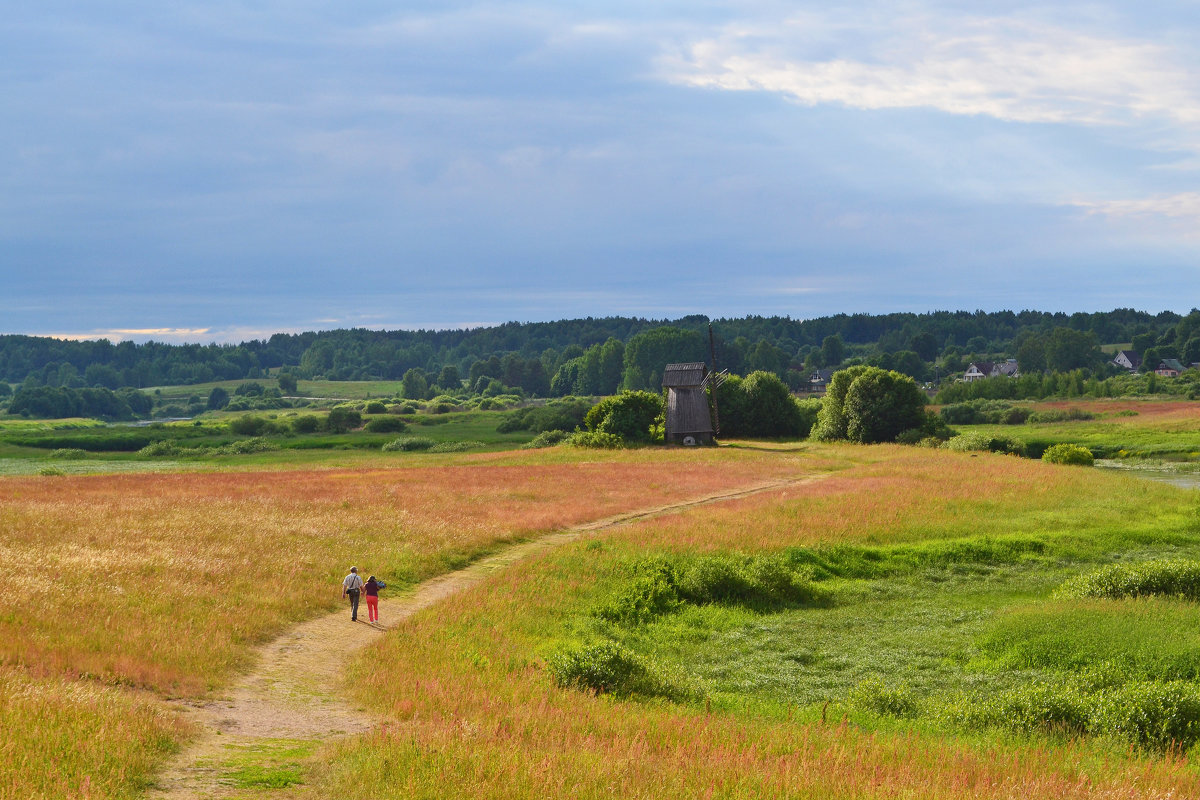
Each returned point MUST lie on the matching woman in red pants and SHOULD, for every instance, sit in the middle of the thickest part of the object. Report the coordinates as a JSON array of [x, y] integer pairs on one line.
[[371, 590]]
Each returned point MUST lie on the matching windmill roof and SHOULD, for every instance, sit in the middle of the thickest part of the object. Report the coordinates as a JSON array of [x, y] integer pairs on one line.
[[690, 374]]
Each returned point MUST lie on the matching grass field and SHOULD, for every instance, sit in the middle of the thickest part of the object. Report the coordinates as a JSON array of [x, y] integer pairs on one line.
[[1148, 429], [892, 634], [124, 585], [928, 558]]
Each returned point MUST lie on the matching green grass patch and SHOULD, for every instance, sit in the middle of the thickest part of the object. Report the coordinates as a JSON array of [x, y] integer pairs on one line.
[[272, 764], [1143, 639]]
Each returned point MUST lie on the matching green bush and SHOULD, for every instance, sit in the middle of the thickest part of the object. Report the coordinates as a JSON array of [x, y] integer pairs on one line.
[[342, 419], [653, 592], [977, 441], [1153, 715], [1035, 707], [455, 447], [597, 440], [1068, 454], [1172, 578], [375, 407], [387, 425], [408, 444], [165, 447], [67, 453], [629, 415], [307, 423], [246, 446], [547, 439], [1061, 415], [566, 414], [661, 586], [250, 425], [609, 668]]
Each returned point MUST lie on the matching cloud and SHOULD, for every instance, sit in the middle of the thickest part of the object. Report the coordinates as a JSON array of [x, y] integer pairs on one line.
[[1005, 68]]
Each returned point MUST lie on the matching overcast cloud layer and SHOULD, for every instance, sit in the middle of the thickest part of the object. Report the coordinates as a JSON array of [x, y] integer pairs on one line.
[[224, 170]]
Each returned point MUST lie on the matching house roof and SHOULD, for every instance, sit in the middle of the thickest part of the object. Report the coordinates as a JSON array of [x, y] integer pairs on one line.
[[1131, 356], [679, 375], [1171, 363], [821, 375], [982, 366]]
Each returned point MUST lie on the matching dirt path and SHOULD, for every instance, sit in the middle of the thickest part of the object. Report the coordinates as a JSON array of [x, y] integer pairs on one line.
[[294, 698]]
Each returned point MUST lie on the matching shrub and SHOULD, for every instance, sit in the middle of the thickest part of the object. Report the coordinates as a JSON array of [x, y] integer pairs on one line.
[[1068, 454], [609, 668], [342, 419], [661, 586], [1174, 577], [51, 471], [566, 414], [246, 446], [596, 440], [455, 447], [1155, 715], [547, 439], [629, 415], [869, 405], [1061, 415], [977, 441], [1062, 708], [250, 425], [387, 425], [375, 407], [165, 447], [308, 423], [67, 453], [408, 444], [654, 591]]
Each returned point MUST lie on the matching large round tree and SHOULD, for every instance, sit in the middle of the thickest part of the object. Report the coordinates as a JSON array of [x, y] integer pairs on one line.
[[869, 405]]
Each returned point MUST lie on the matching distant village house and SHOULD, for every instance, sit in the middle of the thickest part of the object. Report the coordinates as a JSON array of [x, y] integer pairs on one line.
[[1128, 359], [977, 370], [1169, 368]]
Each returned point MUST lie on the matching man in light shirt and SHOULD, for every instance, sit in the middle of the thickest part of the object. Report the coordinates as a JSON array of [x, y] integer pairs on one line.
[[352, 587]]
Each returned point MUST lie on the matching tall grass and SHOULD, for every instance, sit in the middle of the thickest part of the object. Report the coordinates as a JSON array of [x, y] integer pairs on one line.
[[476, 712], [166, 582]]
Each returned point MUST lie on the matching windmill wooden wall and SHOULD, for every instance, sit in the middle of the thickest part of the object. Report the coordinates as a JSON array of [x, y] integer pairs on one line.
[[688, 418]]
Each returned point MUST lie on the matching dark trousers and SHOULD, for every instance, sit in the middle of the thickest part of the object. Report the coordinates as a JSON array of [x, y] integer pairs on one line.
[[353, 603]]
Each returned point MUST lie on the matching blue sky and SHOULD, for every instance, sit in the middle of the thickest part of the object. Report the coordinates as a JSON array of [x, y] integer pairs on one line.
[[225, 170]]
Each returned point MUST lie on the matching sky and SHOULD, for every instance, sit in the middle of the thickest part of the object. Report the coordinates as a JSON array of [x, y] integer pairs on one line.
[[221, 171]]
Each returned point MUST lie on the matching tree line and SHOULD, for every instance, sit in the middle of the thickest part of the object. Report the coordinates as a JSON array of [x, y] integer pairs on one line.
[[603, 355]]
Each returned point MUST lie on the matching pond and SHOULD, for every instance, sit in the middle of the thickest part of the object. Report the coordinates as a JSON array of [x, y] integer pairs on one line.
[[1186, 476]]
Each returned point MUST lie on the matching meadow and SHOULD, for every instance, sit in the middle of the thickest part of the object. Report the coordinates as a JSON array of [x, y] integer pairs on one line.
[[131, 587], [937, 570], [1154, 429], [893, 629]]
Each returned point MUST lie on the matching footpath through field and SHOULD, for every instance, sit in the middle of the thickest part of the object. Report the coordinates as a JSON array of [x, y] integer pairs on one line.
[[255, 735]]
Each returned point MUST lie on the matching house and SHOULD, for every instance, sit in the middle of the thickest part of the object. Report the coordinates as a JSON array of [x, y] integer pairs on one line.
[[688, 418], [1169, 368], [1128, 359], [977, 370], [819, 379]]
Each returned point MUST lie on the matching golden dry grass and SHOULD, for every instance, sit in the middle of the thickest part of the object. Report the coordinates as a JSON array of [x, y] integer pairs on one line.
[[166, 582]]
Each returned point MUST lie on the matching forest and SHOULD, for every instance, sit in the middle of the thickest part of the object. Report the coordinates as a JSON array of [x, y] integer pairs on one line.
[[597, 356]]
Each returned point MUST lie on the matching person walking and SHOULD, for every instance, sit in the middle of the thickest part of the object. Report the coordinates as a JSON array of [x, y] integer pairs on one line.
[[371, 590], [352, 585]]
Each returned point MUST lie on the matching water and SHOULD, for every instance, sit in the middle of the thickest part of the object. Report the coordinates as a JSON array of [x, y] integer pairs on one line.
[[1184, 477]]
